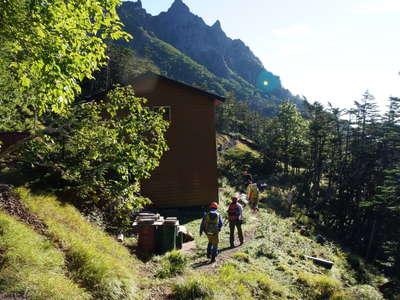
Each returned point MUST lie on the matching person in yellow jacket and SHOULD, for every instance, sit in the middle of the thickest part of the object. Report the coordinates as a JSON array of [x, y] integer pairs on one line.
[[252, 195]]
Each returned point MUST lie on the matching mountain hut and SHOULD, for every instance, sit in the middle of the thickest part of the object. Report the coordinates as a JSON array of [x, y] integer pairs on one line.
[[187, 175]]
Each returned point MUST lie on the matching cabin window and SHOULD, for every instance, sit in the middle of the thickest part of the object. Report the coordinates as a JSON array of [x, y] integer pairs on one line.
[[166, 112]]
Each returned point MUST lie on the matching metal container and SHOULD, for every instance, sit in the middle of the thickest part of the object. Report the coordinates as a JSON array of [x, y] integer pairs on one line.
[[146, 242], [168, 236], [179, 240]]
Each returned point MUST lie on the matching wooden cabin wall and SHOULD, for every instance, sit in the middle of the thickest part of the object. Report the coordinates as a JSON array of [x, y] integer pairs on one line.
[[187, 175]]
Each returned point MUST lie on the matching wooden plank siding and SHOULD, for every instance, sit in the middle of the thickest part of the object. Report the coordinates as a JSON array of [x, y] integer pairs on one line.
[[187, 175]]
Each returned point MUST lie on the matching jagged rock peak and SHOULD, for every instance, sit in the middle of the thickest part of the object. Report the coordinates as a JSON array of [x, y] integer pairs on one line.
[[178, 5], [128, 5], [217, 25], [137, 4]]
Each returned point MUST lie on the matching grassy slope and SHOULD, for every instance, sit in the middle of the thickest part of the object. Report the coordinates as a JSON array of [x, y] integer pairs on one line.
[[32, 266], [229, 143], [82, 262], [88, 258], [271, 265]]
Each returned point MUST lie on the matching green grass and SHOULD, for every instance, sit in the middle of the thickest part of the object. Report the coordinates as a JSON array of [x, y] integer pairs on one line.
[[319, 286], [95, 260], [365, 292], [228, 283], [223, 139], [270, 265], [31, 265], [240, 256], [276, 251], [192, 288], [172, 264], [243, 147]]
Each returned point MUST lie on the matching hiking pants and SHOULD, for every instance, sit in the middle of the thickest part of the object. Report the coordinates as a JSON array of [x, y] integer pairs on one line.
[[238, 225], [212, 248], [253, 202]]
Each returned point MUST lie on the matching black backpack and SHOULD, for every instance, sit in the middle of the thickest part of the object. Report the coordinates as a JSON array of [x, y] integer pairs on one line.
[[211, 223]]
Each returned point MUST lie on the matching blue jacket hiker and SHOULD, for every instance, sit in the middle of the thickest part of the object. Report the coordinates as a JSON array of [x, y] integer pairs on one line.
[[212, 225]]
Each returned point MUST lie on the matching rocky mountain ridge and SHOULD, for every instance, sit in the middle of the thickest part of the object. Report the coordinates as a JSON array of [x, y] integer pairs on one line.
[[183, 47], [206, 45]]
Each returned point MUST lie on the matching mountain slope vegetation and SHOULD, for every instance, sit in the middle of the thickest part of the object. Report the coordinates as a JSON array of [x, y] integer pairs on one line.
[[86, 263], [65, 257], [163, 41]]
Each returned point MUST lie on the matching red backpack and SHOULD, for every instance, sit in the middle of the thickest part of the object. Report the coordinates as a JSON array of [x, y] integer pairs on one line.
[[233, 212]]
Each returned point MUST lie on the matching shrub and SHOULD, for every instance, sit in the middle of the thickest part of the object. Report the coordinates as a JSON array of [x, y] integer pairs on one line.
[[341, 295], [365, 292], [283, 268], [358, 267], [277, 199], [229, 283], [318, 286], [254, 284], [260, 285], [234, 162], [172, 264], [265, 250], [240, 256], [195, 288], [99, 153]]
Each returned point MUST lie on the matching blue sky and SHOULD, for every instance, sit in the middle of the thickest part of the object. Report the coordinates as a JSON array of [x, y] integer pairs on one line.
[[326, 50]]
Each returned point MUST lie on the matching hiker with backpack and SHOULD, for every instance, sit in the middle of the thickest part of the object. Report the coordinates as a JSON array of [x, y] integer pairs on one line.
[[252, 195], [212, 225], [235, 216]]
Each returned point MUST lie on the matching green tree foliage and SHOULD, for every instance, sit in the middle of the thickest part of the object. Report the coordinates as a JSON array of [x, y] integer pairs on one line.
[[234, 162], [344, 166], [387, 206], [100, 151], [320, 156], [48, 47], [278, 139], [290, 132], [350, 174], [122, 66]]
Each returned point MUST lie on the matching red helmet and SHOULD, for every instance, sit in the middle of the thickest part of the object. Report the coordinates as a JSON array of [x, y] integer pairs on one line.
[[214, 205]]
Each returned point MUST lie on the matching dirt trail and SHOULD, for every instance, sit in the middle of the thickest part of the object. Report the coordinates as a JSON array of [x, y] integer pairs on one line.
[[200, 263], [203, 263]]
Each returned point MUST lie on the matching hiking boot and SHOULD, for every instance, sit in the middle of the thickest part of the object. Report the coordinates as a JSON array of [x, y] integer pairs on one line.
[[212, 259]]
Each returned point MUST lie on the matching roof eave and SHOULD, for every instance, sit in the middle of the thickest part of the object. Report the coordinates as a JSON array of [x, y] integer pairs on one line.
[[149, 74]]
